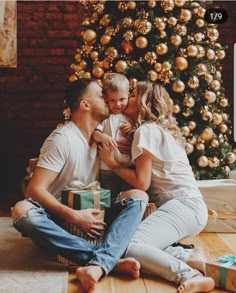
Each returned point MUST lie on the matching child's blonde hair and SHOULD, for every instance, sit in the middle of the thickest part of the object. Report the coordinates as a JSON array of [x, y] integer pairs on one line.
[[155, 105], [115, 82]]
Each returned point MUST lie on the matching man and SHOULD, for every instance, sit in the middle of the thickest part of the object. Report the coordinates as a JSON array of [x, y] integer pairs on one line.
[[68, 154]]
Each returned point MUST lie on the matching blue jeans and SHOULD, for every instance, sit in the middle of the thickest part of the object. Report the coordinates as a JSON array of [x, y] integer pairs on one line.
[[40, 227]]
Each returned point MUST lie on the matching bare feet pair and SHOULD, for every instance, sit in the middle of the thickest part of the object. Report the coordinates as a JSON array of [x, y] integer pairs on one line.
[[90, 275]]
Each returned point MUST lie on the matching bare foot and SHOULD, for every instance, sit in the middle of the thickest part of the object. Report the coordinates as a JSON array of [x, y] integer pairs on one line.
[[197, 284], [129, 266], [197, 259], [89, 277]]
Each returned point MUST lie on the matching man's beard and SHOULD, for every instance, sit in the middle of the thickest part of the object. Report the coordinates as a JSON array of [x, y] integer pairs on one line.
[[100, 116]]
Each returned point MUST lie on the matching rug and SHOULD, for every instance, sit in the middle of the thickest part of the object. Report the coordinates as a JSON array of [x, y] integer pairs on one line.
[[24, 267]]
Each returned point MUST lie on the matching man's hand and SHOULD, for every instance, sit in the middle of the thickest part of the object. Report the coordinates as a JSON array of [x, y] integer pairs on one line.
[[87, 220], [108, 141], [107, 155]]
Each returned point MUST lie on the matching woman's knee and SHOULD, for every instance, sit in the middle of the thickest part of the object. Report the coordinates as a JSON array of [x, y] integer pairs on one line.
[[135, 193], [21, 209]]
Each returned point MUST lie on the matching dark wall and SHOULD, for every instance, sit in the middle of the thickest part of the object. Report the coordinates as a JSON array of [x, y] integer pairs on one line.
[[31, 95]]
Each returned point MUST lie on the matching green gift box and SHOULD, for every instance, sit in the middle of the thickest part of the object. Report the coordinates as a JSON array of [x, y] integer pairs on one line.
[[83, 199], [223, 271]]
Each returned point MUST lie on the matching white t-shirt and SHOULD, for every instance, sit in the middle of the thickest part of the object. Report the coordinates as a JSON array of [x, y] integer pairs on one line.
[[172, 174], [67, 151], [111, 126]]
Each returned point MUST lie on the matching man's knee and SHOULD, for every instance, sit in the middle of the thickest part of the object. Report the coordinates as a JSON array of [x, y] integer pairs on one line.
[[135, 193], [21, 209]]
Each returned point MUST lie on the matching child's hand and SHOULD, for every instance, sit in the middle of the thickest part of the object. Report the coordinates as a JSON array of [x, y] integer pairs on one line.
[[126, 127], [109, 142]]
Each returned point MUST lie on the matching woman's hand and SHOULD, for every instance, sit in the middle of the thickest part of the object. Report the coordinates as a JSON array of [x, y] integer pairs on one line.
[[107, 155]]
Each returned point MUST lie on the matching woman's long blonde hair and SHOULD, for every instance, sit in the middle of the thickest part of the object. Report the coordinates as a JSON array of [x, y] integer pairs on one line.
[[155, 105]]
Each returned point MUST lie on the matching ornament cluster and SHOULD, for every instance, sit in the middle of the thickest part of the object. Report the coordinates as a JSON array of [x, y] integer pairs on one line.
[[169, 42]]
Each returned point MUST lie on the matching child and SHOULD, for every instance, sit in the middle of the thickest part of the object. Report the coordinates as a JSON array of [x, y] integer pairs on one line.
[[116, 90]]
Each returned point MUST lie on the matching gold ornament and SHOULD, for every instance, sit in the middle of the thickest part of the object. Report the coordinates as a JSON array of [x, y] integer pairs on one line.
[[105, 39], [200, 22], [185, 15], [215, 143], [208, 77], [200, 146], [201, 69], [193, 82], [86, 22], [218, 75], [97, 71], [210, 96], [213, 34], [207, 134], [87, 75], [201, 51], [181, 63], [220, 54], [144, 27], [178, 86], [226, 169], [105, 20], [152, 75], [181, 29], [224, 102], [230, 157], [189, 101], [167, 5], [131, 5], [202, 161], [122, 6], [180, 3], [166, 66], [185, 131], [176, 109], [111, 53], [214, 162], [192, 51], [210, 54], [161, 49], [127, 46], [234, 151], [217, 118], [176, 40], [151, 3], [163, 34], [141, 42], [89, 36], [160, 26], [158, 67], [189, 148], [78, 57], [94, 55], [193, 140], [172, 21], [150, 57], [106, 64], [206, 116], [121, 66], [215, 85], [201, 12], [83, 64], [73, 77], [192, 125], [199, 37], [128, 35], [127, 21], [223, 128], [133, 83]]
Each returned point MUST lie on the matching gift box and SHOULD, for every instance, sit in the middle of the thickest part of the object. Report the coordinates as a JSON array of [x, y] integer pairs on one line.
[[81, 197], [223, 271], [84, 199], [220, 197]]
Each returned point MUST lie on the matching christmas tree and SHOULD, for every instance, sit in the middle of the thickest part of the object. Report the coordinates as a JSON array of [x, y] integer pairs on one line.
[[171, 43]]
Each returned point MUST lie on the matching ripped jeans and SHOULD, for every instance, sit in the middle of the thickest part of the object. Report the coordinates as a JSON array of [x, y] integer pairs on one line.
[[151, 245], [40, 227]]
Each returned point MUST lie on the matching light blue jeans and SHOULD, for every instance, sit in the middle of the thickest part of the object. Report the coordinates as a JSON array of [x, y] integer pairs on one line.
[[40, 227], [151, 245]]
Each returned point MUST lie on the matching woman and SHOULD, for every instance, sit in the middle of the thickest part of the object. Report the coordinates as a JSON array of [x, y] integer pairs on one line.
[[163, 169]]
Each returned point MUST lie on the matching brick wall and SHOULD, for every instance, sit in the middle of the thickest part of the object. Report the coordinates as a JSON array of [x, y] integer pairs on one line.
[[31, 95]]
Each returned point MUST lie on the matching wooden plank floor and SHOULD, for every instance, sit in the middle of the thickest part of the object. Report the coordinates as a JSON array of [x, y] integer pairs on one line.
[[213, 244]]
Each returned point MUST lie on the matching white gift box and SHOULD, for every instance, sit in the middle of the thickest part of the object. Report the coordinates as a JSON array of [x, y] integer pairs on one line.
[[220, 196]]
